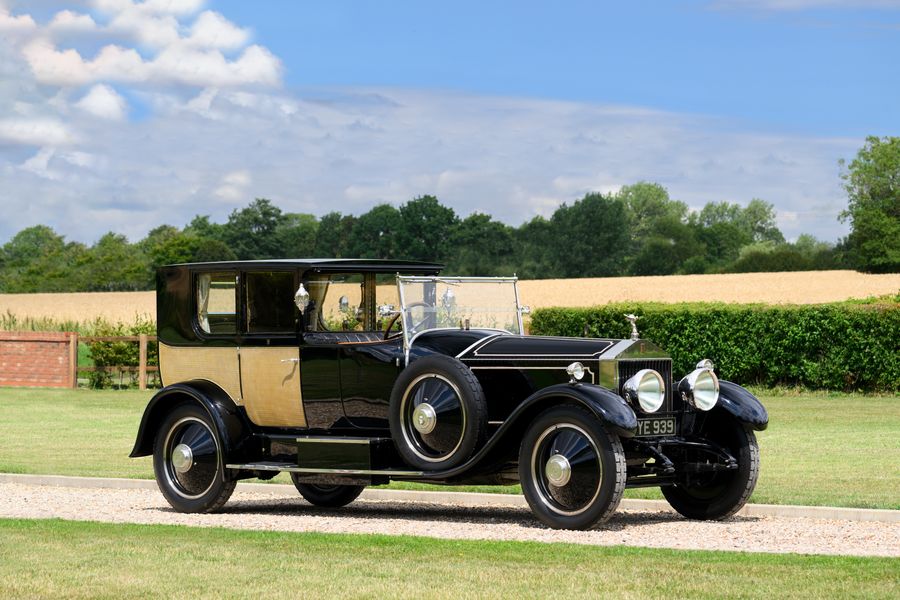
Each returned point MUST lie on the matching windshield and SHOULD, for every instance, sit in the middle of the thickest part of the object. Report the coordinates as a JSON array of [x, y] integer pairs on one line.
[[459, 302]]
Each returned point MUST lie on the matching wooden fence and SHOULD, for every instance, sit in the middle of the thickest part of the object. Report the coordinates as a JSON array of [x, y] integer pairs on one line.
[[142, 369]]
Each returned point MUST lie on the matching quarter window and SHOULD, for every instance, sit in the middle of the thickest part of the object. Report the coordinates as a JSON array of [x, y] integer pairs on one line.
[[216, 305], [270, 302]]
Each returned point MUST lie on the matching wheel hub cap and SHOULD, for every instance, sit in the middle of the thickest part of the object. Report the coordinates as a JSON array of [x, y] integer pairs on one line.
[[558, 470], [424, 418], [182, 458]]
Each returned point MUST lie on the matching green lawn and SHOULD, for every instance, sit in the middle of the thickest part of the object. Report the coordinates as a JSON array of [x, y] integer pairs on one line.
[[820, 448], [65, 559]]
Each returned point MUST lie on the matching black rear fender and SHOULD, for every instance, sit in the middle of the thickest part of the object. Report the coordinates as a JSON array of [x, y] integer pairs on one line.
[[232, 427]]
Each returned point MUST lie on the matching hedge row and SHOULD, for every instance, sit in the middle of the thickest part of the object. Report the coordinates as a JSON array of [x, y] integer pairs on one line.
[[846, 346]]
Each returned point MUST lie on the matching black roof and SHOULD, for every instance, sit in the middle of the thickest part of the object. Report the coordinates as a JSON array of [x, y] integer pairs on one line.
[[327, 265]]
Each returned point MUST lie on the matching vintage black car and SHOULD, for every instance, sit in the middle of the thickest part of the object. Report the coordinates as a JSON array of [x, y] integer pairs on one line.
[[348, 373]]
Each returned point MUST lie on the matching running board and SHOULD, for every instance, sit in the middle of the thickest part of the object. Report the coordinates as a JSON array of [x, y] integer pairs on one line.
[[290, 468]]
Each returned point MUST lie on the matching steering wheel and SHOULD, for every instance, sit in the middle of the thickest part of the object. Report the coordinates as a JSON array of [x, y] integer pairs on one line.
[[413, 327]]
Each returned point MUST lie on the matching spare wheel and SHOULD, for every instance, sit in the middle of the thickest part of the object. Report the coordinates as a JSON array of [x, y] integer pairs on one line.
[[438, 414]]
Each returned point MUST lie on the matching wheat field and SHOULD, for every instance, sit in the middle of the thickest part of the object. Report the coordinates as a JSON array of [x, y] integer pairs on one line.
[[809, 287]]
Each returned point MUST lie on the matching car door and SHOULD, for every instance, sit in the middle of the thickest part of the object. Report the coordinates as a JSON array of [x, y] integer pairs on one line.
[[269, 352]]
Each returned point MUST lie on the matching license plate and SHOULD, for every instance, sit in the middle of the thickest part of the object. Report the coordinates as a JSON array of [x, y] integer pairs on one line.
[[658, 426]]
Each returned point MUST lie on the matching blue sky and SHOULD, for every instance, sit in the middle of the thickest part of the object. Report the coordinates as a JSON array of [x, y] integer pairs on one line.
[[124, 114], [828, 70]]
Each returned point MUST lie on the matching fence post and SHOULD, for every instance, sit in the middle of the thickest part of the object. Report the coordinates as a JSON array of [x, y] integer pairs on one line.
[[73, 360], [142, 363]]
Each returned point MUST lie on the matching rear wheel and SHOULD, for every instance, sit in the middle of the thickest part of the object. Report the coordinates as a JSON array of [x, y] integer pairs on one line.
[[722, 494], [571, 468], [187, 460], [329, 496]]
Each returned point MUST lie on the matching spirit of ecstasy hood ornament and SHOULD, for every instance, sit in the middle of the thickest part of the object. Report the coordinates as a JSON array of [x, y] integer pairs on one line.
[[633, 320]]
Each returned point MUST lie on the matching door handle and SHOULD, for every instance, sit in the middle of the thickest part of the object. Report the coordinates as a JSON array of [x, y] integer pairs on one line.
[[290, 360]]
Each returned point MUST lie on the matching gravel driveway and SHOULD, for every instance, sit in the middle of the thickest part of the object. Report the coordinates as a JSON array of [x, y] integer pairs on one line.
[[275, 512]]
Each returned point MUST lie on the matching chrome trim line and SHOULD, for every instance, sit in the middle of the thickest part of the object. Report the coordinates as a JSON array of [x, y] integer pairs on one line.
[[413, 338], [496, 422], [290, 469], [483, 340], [438, 278], [334, 440], [568, 354], [529, 368]]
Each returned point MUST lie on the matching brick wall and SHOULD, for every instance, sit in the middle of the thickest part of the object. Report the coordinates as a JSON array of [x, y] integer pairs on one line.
[[35, 358]]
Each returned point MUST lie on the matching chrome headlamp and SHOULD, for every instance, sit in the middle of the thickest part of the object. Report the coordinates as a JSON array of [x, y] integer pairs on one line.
[[647, 388], [700, 388]]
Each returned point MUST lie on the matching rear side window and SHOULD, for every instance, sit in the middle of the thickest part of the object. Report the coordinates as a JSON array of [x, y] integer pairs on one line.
[[270, 302], [216, 302]]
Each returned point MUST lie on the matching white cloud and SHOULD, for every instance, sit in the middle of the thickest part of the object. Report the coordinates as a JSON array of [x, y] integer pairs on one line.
[[69, 21], [171, 7], [68, 68], [149, 30], [195, 67], [212, 30], [39, 164], [234, 186], [35, 132], [180, 64], [15, 24], [81, 159], [104, 102]]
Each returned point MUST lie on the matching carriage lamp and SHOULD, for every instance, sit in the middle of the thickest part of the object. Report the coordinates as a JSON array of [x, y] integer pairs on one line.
[[700, 388], [575, 371], [647, 388]]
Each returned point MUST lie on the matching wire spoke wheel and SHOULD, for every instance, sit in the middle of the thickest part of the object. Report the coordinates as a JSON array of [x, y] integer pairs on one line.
[[571, 468], [192, 458], [722, 494], [434, 417], [567, 469], [188, 463]]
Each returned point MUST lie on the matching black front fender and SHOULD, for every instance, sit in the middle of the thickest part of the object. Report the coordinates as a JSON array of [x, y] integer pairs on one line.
[[742, 405], [606, 405], [232, 427]]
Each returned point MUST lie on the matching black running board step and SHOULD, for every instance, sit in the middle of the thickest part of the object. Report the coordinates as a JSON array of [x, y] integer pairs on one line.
[[292, 468]]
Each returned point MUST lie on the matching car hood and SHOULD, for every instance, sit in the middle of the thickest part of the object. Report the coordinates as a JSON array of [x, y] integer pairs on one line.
[[505, 347]]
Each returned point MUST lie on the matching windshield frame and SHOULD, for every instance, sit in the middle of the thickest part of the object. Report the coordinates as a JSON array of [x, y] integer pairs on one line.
[[409, 339]]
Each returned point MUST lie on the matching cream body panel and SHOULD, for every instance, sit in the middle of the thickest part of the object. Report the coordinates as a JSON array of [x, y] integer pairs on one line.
[[270, 379], [218, 365]]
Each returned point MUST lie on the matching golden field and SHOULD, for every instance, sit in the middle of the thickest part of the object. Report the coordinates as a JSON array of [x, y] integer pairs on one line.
[[808, 287]]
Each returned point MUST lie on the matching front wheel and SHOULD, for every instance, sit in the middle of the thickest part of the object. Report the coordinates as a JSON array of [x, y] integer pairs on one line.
[[571, 468], [327, 496], [187, 460], [720, 495]]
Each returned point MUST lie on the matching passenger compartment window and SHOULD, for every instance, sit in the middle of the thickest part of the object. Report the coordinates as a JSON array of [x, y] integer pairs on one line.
[[270, 302], [216, 304]]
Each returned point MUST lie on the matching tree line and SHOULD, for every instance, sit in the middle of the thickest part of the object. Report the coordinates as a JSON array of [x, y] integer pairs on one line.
[[638, 230]]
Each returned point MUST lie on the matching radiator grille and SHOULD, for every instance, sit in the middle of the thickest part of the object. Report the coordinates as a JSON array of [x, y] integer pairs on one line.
[[663, 366]]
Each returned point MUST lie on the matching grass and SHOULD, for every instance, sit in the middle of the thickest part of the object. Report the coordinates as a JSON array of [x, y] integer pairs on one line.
[[65, 559], [820, 449]]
